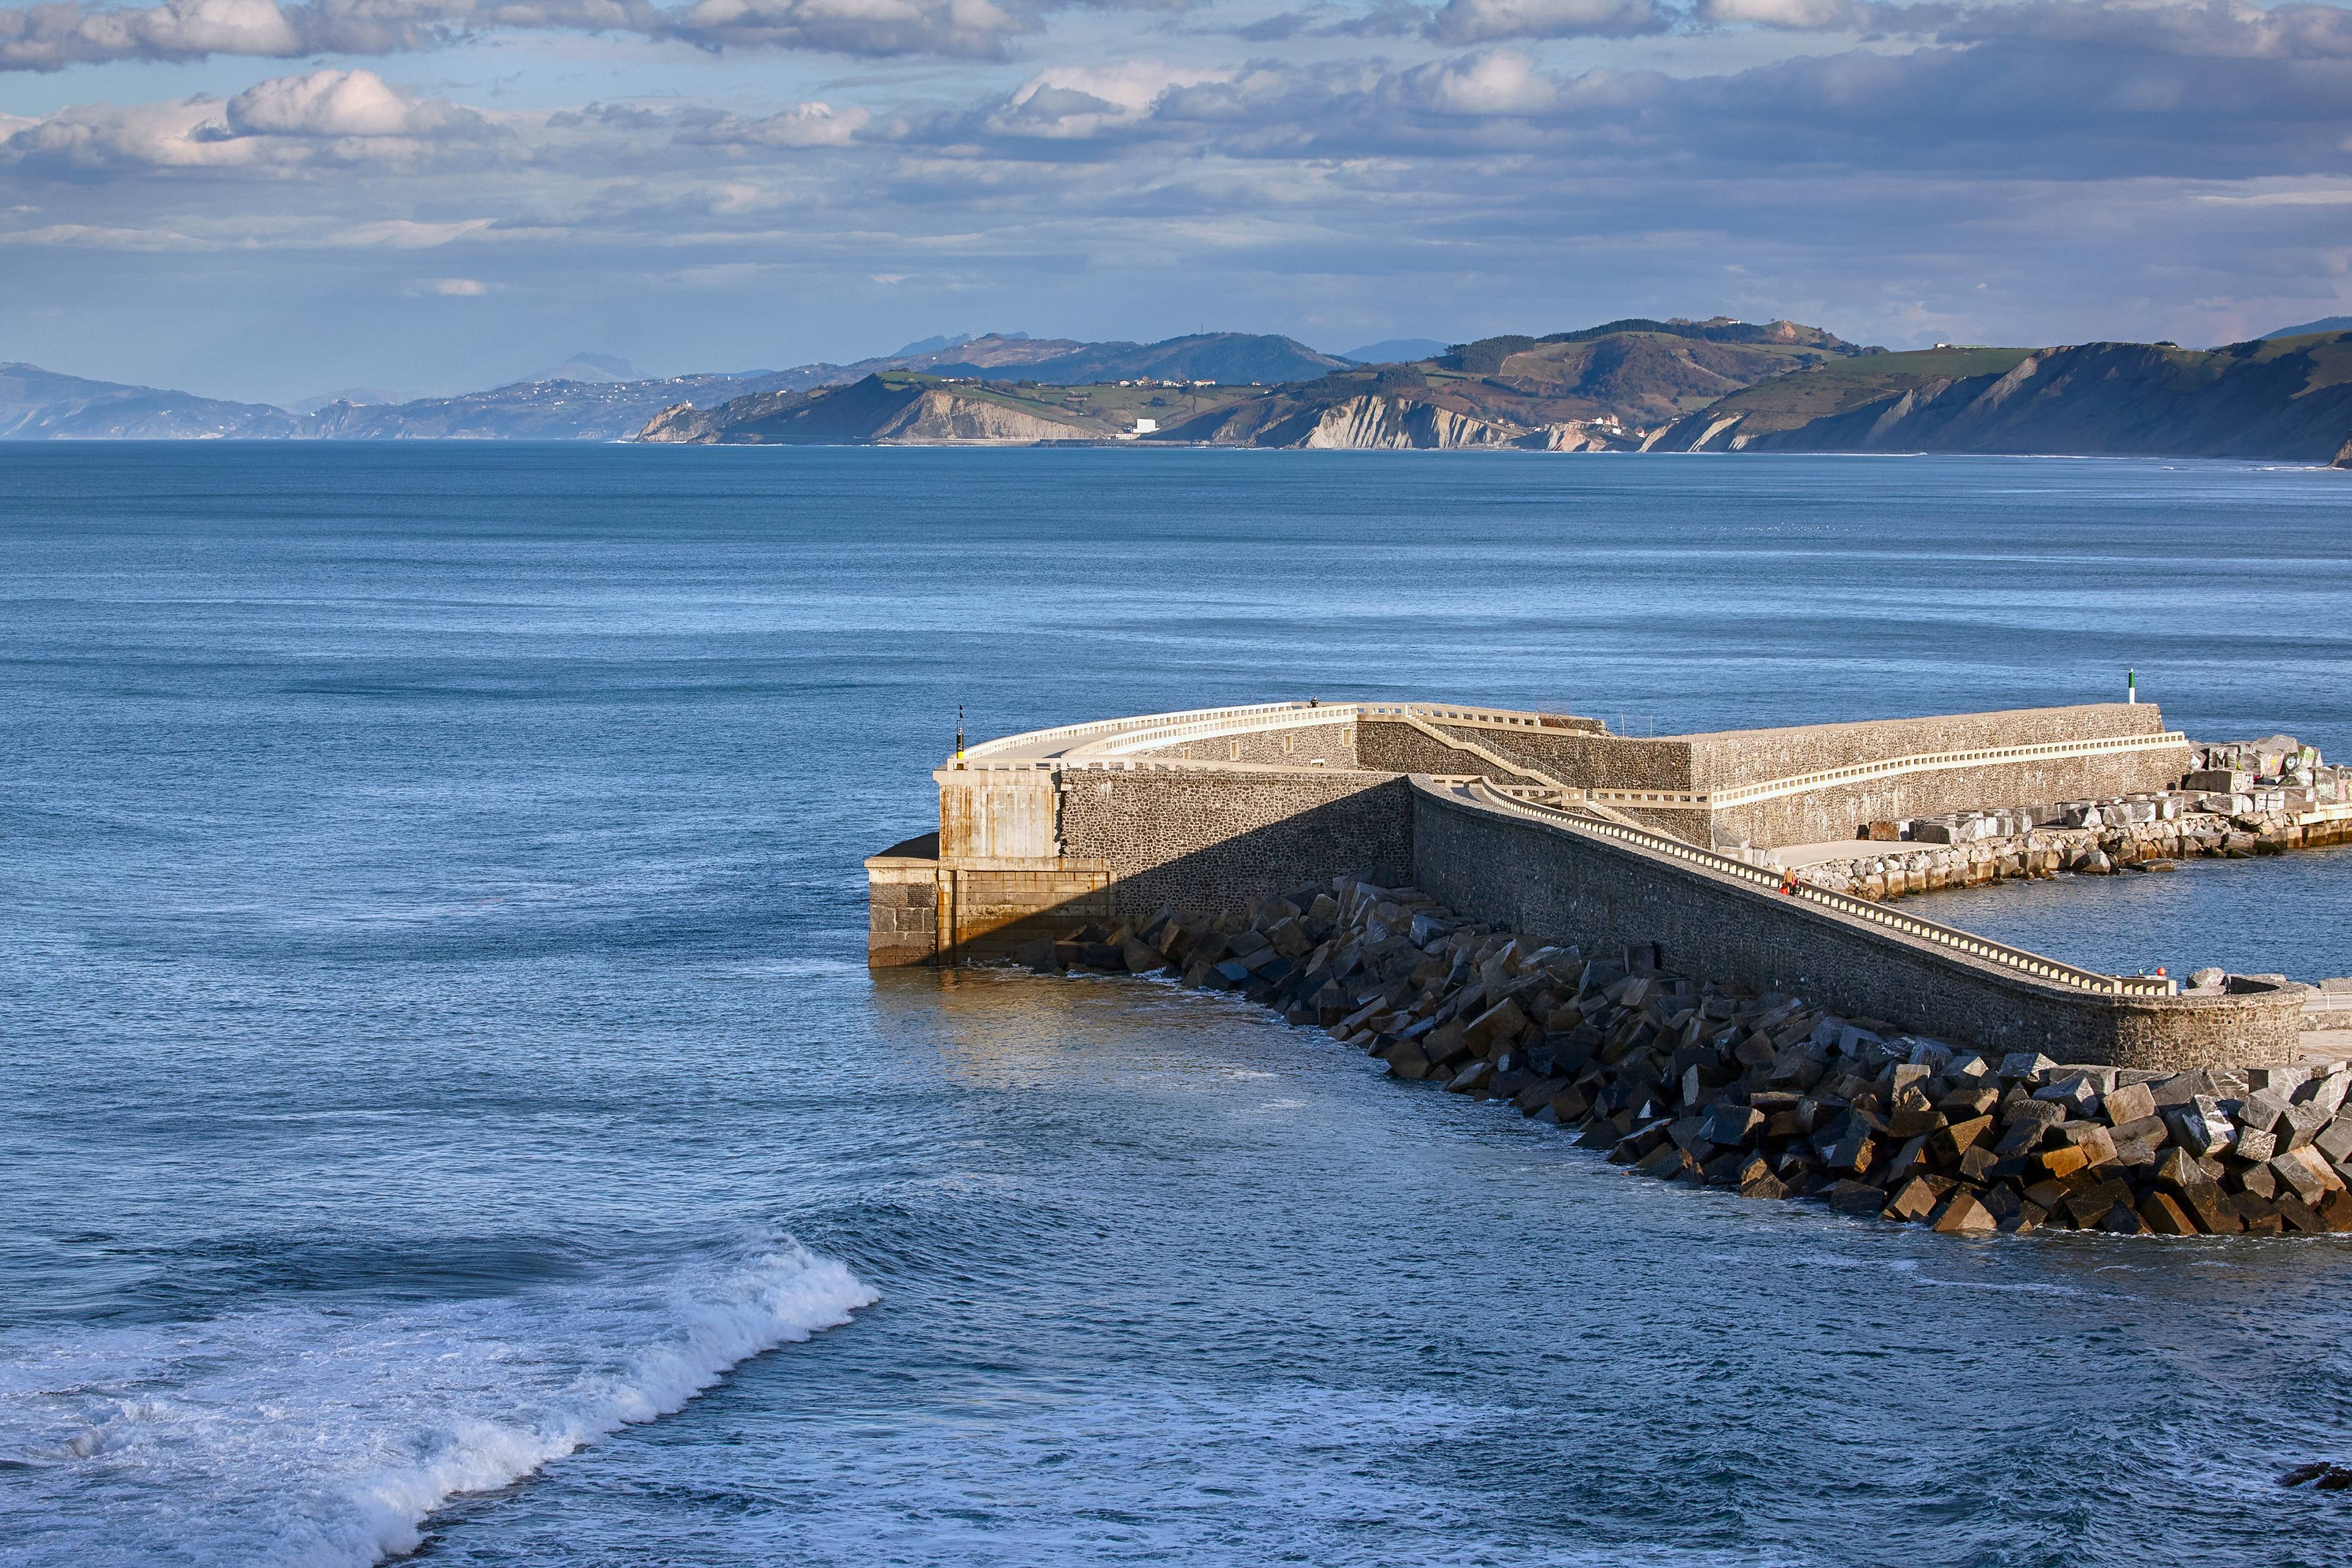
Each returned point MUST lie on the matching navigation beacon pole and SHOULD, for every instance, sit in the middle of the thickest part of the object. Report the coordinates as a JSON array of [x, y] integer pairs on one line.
[[2131, 686], [959, 734]]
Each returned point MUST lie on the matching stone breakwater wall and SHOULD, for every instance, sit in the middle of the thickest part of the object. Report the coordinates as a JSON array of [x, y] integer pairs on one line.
[[1198, 811], [1517, 872], [1891, 871], [1713, 1083]]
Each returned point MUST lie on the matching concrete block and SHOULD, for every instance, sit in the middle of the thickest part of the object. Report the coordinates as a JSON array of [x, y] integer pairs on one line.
[[2130, 1102], [1966, 1215], [2260, 1110]]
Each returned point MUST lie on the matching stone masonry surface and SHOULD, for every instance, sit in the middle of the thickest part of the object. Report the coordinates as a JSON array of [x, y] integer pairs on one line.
[[1204, 839]]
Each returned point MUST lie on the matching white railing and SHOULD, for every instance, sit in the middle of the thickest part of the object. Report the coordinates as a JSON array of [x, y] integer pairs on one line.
[[1946, 936], [1118, 737], [1050, 740]]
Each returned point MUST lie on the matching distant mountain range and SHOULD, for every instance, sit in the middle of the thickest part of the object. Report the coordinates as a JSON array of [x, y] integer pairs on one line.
[[594, 397], [1718, 385]]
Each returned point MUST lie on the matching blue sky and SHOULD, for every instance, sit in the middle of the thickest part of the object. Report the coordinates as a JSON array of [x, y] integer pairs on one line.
[[263, 199]]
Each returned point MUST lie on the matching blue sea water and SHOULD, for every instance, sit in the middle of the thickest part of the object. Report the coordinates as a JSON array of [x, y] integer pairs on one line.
[[445, 1108]]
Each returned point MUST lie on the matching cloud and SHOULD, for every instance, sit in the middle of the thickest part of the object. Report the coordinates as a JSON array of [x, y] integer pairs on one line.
[[61, 33], [803, 125], [447, 288], [327, 116], [1481, 21], [1792, 16], [338, 103], [977, 28], [1497, 82], [1078, 103], [103, 237], [52, 36], [403, 234]]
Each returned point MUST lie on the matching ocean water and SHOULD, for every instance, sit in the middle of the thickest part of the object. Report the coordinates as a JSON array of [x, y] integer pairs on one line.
[[445, 1110]]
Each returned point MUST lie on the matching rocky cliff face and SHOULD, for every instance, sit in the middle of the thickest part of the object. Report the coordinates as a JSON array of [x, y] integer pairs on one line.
[[938, 418], [1389, 424], [2290, 400], [876, 410]]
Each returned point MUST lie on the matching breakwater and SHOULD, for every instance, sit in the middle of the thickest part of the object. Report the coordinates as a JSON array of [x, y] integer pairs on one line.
[[1683, 1078], [1548, 824], [2239, 802]]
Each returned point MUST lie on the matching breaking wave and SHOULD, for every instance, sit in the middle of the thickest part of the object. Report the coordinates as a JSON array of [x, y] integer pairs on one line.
[[325, 1437]]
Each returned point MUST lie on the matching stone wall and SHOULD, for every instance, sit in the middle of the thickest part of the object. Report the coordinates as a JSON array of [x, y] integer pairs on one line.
[[902, 904], [1203, 840], [1726, 757], [1839, 810], [1572, 888], [1588, 761], [1294, 746]]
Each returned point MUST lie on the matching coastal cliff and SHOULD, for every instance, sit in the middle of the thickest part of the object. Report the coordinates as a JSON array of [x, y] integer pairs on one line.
[[2289, 398], [880, 410]]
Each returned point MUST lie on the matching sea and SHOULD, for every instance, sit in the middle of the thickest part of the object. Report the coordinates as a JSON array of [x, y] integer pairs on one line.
[[445, 1111]]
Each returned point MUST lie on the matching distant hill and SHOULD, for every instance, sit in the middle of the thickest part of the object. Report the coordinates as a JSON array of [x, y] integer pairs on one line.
[[1593, 389], [2289, 398], [910, 408], [1396, 351], [891, 408], [1588, 390], [1219, 357], [563, 409], [591, 368], [42, 405], [2327, 324], [595, 397]]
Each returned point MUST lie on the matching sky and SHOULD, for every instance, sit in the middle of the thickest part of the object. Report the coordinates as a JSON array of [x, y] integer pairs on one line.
[[274, 199]]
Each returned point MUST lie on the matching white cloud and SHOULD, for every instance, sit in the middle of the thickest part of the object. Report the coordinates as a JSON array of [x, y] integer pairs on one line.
[[405, 234], [1076, 102], [803, 125], [335, 117], [337, 103], [1794, 16], [448, 288], [971, 27], [1497, 82], [50, 37], [104, 236], [1479, 21]]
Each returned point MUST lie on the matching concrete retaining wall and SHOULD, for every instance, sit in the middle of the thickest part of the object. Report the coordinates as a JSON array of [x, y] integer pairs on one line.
[[1571, 888]]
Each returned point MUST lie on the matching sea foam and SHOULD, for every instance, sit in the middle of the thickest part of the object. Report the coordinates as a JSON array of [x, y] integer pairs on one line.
[[326, 1437]]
